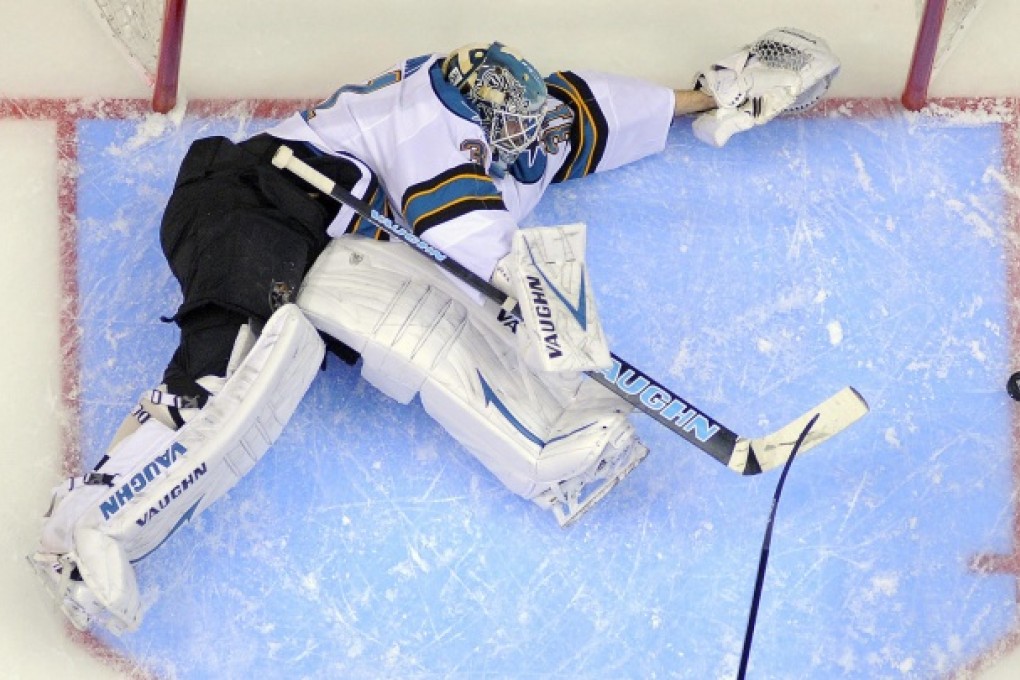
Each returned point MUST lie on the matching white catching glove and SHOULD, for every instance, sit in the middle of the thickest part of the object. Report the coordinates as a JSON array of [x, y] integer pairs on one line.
[[768, 93], [786, 70]]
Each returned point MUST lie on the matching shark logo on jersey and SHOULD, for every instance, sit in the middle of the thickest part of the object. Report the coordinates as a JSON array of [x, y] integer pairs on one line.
[[530, 165]]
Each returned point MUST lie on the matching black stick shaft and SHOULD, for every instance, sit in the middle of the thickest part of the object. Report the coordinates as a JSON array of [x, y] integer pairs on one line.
[[635, 386]]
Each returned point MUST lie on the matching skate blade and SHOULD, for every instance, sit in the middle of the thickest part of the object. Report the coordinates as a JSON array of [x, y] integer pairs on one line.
[[567, 519], [52, 583]]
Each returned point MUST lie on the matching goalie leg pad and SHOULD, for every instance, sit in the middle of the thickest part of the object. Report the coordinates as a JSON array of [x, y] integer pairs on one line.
[[399, 323], [157, 479], [418, 331]]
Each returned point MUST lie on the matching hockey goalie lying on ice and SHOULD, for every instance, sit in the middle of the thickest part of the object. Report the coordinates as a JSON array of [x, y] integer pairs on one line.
[[457, 148]]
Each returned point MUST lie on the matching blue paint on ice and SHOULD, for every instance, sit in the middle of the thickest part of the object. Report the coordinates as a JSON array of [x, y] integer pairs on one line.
[[755, 280]]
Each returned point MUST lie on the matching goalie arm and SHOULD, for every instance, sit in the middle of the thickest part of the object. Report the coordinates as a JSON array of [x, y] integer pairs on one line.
[[691, 101], [678, 415]]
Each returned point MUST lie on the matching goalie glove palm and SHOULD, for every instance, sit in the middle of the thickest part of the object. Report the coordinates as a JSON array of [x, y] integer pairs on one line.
[[725, 80], [774, 92]]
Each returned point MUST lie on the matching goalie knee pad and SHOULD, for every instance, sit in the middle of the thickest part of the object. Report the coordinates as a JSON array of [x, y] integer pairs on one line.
[[157, 478], [418, 331]]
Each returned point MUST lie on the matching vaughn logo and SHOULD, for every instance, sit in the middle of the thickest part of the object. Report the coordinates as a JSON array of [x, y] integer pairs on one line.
[[407, 236], [508, 320], [175, 492], [140, 480], [658, 399], [546, 326]]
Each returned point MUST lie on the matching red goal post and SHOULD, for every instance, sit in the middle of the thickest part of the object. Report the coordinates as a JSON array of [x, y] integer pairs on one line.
[[941, 27], [150, 33], [168, 66]]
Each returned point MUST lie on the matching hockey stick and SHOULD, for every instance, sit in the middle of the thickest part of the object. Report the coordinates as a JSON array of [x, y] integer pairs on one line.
[[763, 559], [743, 455]]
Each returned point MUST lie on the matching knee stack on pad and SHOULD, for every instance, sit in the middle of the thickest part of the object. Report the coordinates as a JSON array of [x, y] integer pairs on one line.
[[418, 331]]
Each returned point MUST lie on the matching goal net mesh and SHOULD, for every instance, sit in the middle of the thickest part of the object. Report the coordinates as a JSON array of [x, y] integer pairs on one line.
[[955, 21], [136, 25]]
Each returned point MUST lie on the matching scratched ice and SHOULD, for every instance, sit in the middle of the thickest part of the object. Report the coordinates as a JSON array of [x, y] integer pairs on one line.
[[755, 280]]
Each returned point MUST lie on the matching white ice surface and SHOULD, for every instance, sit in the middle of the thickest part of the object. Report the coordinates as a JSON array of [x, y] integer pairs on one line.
[[32, 639], [51, 48]]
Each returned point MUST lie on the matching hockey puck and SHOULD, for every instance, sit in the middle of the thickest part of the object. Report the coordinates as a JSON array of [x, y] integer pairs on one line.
[[1013, 386]]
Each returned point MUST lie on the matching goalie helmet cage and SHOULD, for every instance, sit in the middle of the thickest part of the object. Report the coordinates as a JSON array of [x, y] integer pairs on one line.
[[150, 33], [941, 27]]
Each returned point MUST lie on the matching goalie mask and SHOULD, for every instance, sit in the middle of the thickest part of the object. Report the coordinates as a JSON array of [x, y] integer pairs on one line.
[[508, 93]]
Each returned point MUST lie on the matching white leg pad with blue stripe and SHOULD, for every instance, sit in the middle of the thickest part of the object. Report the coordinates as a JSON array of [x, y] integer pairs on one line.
[[418, 331], [157, 479]]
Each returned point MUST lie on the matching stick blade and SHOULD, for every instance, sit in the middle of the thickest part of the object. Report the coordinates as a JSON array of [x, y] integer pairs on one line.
[[835, 414]]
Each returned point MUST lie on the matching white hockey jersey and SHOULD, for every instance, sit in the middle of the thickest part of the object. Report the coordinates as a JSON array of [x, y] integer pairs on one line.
[[426, 148]]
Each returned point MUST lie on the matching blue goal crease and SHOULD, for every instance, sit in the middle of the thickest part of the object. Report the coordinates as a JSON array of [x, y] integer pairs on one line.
[[757, 280]]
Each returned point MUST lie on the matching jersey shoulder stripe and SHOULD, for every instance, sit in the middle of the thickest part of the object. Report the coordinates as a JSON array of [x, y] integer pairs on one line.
[[589, 130], [450, 194], [376, 201]]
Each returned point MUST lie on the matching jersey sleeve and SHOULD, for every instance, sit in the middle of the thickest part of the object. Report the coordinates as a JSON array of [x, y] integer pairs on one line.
[[462, 212], [601, 121]]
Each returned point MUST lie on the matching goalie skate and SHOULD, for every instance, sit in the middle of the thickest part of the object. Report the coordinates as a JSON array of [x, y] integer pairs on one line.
[[571, 499], [59, 576]]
